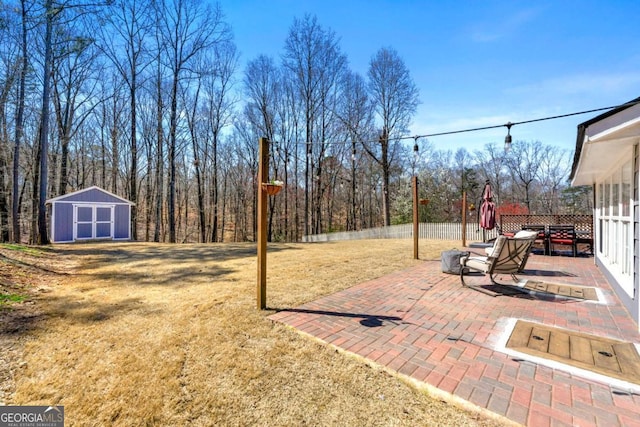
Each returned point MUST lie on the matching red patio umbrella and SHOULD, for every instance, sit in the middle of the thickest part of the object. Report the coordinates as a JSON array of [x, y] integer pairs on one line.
[[487, 209]]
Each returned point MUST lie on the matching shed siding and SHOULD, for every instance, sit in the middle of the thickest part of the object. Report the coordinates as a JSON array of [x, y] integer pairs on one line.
[[121, 229], [94, 207], [63, 218]]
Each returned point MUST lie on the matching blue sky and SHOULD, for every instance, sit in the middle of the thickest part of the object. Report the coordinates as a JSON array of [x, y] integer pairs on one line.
[[476, 63]]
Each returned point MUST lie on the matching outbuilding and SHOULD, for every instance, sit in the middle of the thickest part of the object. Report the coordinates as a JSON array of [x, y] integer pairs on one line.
[[89, 214]]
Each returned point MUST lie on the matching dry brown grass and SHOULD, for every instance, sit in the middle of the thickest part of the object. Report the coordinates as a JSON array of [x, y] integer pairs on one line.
[[155, 334]]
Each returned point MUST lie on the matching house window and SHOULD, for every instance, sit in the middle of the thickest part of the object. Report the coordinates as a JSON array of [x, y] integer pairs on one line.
[[625, 207], [616, 224]]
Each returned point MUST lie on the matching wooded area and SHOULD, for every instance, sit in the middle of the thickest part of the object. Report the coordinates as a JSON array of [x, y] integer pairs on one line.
[[148, 100]]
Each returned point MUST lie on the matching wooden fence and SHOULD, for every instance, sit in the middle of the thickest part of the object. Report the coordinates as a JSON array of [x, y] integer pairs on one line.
[[430, 230]]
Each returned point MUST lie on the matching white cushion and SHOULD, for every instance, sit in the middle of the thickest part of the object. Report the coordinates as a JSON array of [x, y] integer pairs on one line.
[[494, 250], [497, 246], [478, 263], [525, 234]]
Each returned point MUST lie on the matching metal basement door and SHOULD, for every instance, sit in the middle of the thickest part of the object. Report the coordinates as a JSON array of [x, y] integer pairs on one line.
[[93, 222]]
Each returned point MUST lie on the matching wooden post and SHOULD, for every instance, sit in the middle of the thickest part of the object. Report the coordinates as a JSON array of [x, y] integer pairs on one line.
[[263, 177], [464, 219], [416, 227]]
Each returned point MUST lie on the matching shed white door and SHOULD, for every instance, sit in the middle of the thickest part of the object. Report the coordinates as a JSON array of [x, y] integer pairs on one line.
[[93, 222]]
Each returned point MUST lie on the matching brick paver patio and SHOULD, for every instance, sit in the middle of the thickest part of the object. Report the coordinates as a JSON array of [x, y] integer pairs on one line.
[[423, 324]]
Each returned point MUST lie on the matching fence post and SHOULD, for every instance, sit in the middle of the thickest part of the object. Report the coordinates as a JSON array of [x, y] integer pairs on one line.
[[415, 217], [464, 219], [263, 177]]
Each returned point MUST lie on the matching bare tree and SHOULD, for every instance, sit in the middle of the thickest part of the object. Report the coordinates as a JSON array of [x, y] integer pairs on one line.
[[354, 112], [261, 81], [194, 122], [466, 174], [491, 164], [124, 43], [289, 134], [188, 28], [552, 176], [315, 64], [19, 124], [523, 161], [218, 85], [395, 99], [261, 87], [157, 130], [158, 97], [73, 66], [210, 111], [10, 60], [50, 13]]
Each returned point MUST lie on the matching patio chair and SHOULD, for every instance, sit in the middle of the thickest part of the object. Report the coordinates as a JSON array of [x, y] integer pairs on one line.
[[522, 234], [509, 256], [541, 237], [563, 235]]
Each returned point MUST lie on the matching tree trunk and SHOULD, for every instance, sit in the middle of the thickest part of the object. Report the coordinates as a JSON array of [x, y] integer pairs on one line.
[[352, 212], [43, 237], [306, 183], [133, 178], [64, 168], [148, 192], [4, 204], [4, 159], [385, 180], [201, 214], [114, 148], [224, 206], [172, 158], [214, 189], [65, 120], [103, 149], [15, 205], [159, 162], [33, 237]]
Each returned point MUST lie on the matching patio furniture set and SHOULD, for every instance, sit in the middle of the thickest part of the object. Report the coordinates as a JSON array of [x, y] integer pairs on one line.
[[549, 237], [507, 256], [510, 251]]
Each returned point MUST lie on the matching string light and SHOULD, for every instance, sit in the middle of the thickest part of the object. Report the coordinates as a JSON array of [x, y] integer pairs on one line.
[[507, 139], [508, 125]]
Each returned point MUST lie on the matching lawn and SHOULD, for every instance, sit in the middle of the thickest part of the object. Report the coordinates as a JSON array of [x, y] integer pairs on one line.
[[157, 334]]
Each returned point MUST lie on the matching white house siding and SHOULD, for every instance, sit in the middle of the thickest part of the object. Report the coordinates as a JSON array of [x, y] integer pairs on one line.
[[604, 146], [616, 228], [634, 303]]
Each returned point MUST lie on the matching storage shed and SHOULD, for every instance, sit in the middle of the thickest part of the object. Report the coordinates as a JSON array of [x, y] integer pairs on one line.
[[92, 213]]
